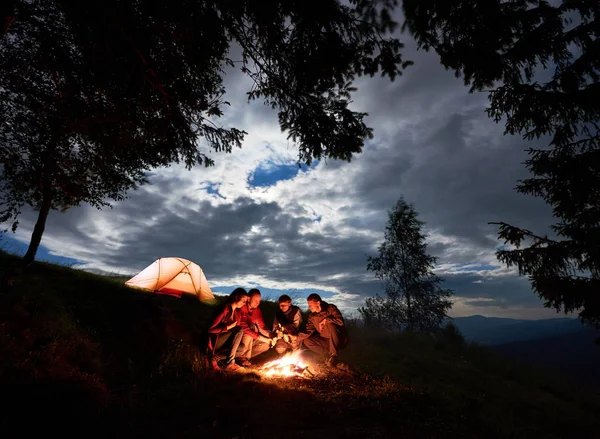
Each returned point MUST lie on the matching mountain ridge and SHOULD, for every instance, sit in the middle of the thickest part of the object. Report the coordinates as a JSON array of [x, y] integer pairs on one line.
[[492, 331]]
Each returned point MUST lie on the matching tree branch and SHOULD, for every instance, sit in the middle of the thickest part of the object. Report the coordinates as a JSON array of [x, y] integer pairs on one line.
[[524, 232]]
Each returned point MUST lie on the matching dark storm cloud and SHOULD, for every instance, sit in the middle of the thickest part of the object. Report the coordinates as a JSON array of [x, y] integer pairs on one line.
[[434, 145], [456, 185], [503, 291]]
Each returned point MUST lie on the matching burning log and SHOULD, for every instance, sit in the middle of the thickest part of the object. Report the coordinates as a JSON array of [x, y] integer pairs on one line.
[[287, 371]]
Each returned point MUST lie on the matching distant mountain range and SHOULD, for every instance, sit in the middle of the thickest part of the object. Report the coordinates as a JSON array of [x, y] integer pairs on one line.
[[496, 331], [562, 344]]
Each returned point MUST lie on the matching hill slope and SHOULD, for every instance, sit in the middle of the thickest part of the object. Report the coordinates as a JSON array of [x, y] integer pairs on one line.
[[575, 354], [82, 355]]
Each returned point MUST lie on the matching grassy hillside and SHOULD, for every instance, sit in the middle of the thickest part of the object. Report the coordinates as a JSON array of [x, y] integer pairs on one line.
[[83, 355], [576, 354]]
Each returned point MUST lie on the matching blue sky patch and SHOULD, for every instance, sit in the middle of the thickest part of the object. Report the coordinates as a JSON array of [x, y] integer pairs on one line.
[[298, 295], [269, 174], [11, 245], [213, 189], [477, 267]]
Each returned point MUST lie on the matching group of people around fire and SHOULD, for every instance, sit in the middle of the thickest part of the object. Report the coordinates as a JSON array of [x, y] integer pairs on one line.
[[237, 331]]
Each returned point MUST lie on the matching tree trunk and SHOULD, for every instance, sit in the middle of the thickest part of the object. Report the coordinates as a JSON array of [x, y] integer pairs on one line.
[[38, 230], [409, 313]]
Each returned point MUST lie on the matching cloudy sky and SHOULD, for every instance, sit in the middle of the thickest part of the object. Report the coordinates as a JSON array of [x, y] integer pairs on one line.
[[256, 219]]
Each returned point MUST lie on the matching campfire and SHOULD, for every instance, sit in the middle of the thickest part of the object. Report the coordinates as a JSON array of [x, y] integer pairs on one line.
[[290, 365]]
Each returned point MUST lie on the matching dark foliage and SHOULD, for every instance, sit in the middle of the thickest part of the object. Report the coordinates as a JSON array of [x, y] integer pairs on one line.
[[93, 97], [414, 300], [504, 45]]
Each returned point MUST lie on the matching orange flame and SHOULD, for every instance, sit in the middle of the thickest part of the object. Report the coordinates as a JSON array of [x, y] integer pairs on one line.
[[289, 366]]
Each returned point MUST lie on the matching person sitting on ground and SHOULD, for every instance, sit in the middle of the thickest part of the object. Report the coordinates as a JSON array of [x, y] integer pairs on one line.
[[257, 338], [287, 320], [325, 331], [224, 334]]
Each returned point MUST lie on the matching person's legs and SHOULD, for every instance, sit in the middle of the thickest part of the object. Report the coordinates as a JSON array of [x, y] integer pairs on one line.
[[244, 352], [215, 343], [236, 338], [221, 340], [336, 336], [317, 344], [209, 351], [258, 347], [281, 347], [295, 345]]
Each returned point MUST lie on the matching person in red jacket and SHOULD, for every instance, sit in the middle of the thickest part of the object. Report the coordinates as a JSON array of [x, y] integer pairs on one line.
[[257, 338], [224, 334], [325, 331]]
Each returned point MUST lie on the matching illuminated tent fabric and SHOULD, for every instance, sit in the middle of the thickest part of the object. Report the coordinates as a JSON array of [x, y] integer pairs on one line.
[[173, 276]]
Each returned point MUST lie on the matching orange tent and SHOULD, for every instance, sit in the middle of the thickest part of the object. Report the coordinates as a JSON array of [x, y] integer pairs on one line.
[[173, 276]]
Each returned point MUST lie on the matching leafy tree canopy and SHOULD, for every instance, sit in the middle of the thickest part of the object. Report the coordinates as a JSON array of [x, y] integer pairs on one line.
[[94, 95], [510, 47]]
